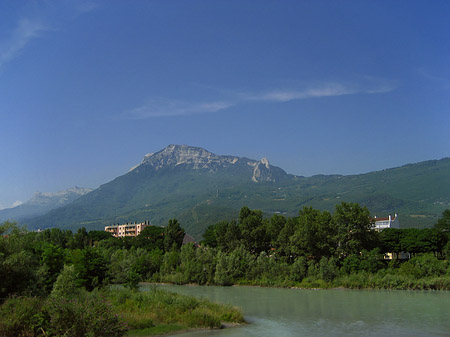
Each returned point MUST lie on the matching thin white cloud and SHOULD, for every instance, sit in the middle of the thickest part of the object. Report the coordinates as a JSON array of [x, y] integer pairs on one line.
[[86, 7], [443, 81], [166, 108], [327, 90], [25, 31], [324, 90], [46, 16]]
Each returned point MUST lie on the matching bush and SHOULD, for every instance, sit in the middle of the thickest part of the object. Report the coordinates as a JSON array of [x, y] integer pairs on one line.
[[23, 316], [425, 265], [88, 315], [66, 283], [328, 269], [299, 269]]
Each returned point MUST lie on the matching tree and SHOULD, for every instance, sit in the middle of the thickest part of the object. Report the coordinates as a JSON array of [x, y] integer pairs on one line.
[[173, 235], [424, 240], [443, 224], [151, 237], [253, 231], [354, 229], [90, 266], [228, 235], [390, 240], [283, 244], [274, 226], [52, 261], [315, 234], [80, 239], [209, 236]]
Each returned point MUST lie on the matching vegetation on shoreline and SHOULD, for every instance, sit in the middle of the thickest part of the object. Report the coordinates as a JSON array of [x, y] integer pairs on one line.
[[49, 276], [110, 313]]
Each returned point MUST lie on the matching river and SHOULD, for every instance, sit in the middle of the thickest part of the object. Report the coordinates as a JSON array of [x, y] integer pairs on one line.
[[295, 312]]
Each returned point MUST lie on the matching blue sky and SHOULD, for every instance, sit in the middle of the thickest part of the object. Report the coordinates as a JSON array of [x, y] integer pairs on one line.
[[87, 88]]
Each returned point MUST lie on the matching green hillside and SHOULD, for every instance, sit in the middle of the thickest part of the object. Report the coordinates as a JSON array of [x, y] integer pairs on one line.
[[201, 193]]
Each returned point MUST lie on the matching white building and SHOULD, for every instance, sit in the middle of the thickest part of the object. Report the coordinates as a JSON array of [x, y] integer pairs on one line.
[[388, 222]]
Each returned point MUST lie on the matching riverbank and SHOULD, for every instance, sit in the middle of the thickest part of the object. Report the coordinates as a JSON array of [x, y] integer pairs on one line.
[[112, 313], [158, 312], [381, 281]]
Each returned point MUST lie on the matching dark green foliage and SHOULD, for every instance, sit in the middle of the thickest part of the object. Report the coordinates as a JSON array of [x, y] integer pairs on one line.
[[97, 236], [315, 234], [299, 269], [23, 316], [415, 240], [52, 261], [443, 224], [328, 269], [371, 261], [209, 236], [253, 230], [89, 314], [151, 237], [90, 267], [284, 242], [173, 235], [425, 265], [354, 226]]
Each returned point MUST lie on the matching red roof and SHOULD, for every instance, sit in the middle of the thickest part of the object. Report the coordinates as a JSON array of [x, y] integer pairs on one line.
[[384, 219]]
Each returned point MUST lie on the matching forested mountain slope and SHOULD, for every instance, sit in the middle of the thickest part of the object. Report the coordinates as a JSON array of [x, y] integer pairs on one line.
[[200, 188]]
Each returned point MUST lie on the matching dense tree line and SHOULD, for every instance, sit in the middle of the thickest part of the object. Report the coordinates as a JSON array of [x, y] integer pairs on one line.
[[316, 248]]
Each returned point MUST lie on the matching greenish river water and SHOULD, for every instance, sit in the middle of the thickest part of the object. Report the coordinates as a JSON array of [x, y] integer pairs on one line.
[[295, 312]]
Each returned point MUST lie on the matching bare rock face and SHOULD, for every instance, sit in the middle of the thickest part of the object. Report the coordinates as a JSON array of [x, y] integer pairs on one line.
[[196, 158], [262, 171], [193, 157]]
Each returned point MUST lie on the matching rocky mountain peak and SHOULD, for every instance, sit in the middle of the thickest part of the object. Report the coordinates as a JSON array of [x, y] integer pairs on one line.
[[197, 158], [194, 157], [59, 197]]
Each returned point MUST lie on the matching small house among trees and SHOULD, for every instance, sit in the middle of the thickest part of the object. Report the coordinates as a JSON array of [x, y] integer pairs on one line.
[[387, 222]]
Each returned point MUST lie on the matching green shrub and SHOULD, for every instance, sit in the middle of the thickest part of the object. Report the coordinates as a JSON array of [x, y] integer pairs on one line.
[[87, 315], [23, 317], [299, 269], [66, 283], [200, 318]]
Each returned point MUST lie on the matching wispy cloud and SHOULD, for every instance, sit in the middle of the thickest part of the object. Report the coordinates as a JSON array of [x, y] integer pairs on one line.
[[286, 95], [164, 107], [25, 31], [330, 89], [45, 16], [443, 81]]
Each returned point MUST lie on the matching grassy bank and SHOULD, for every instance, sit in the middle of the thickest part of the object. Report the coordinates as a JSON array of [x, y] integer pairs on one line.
[[157, 311], [362, 280], [112, 313]]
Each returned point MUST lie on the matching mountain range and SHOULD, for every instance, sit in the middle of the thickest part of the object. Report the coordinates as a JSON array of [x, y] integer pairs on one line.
[[42, 203], [200, 188]]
